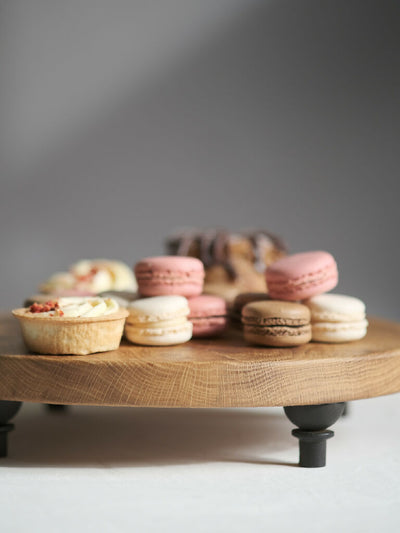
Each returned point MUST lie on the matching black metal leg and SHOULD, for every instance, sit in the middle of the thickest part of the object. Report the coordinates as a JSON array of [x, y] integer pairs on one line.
[[56, 407], [7, 411], [346, 410], [312, 422]]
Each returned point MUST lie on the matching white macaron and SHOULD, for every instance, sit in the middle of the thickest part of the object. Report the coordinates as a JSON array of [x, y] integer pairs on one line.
[[337, 318], [158, 321]]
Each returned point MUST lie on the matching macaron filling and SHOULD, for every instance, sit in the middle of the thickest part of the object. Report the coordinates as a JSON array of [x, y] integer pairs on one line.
[[279, 331], [159, 328], [274, 321], [276, 326]]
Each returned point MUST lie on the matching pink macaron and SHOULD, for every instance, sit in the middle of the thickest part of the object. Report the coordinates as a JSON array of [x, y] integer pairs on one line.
[[169, 275], [208, 314], [301, 276]]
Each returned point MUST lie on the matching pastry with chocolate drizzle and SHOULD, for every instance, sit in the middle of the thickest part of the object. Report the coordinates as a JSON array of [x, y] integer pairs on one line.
[[234, 262]]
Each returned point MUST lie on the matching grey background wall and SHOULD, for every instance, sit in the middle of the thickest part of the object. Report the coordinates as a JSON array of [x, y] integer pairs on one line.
[[123, 120]]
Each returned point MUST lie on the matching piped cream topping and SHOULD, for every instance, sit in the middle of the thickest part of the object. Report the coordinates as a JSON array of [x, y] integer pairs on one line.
[[92, 275], [74, 307]]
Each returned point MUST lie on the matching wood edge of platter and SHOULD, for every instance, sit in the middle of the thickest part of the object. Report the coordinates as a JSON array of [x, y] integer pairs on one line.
[[204, 384]]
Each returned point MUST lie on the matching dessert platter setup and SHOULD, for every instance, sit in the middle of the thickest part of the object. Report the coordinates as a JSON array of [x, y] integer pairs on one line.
[[222, 321]]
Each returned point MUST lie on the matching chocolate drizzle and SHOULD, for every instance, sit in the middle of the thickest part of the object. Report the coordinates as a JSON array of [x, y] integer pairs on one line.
[[260, 240], [212, 247]]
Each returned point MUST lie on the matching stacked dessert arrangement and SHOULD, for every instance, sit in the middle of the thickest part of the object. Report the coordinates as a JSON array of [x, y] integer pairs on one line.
[[208, 282], [276, 299], [234, 262], [172, 307], [81, 311], [298, 308]]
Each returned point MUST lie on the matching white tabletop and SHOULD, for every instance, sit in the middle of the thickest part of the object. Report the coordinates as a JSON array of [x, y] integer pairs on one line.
[[224, 470]]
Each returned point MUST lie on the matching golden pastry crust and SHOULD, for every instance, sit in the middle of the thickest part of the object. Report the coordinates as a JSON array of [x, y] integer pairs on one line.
[[234, 263], [54, 335]]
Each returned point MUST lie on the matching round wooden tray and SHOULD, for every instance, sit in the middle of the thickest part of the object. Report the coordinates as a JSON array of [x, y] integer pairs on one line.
[[223, 372]]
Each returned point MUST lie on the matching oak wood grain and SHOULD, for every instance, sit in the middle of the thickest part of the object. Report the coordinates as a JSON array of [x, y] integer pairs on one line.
[[225, 372]]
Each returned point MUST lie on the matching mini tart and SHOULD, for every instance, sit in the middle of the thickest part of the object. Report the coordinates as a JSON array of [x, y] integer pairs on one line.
[[57, 335]]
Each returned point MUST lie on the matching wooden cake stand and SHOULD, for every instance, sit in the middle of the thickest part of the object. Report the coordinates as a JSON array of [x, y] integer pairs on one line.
[[311, 382]]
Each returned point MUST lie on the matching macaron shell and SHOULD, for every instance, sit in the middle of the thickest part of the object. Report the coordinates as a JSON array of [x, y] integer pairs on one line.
[[147, 310], [275, 312], [336, 332], [167, 336], [169, 263], [301, 276], [164, 275], [278, 336], [335, 308], [206, 305]]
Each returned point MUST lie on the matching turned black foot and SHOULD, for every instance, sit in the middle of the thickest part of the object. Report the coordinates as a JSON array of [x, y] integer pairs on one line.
[[7, 411], [346, 409], [313, 421], [56, 408]]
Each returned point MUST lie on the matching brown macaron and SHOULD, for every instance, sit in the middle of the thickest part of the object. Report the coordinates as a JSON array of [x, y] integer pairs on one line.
[[243, 299], [276, 323]]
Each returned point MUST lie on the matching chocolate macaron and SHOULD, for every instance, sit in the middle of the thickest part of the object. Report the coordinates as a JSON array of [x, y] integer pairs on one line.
[[243, 299], [276, 323]]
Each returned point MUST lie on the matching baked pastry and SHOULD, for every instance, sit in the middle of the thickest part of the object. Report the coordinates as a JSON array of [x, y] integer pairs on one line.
[[234, 263], [91, 276], [77, 326]]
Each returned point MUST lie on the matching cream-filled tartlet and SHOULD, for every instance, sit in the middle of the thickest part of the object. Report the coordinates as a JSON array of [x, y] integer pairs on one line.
[[78, 326], [91, 276]]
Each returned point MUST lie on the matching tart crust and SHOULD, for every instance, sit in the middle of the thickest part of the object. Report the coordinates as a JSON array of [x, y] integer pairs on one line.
[[65, 335]]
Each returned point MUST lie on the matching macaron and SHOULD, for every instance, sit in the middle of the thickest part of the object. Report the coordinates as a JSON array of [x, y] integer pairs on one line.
[[301, 276], [337, 318], [276, 323], [170, 275], [243, 299], [158, 321], [208, 314]]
